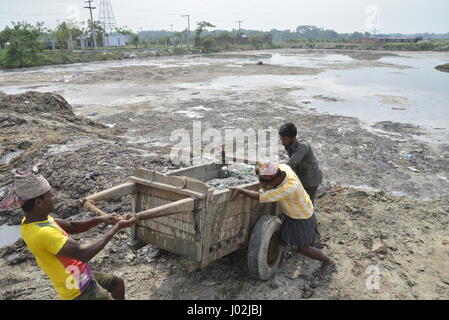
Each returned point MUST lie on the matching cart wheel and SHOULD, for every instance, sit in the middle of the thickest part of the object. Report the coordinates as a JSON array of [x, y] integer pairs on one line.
[[265, 248]]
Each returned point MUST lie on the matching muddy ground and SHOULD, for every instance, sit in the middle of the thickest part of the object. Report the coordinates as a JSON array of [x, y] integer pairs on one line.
[[397, 224]]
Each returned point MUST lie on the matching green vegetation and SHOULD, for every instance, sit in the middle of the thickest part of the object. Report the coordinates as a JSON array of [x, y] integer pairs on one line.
[[368, 44], [66, 58], [201, 26], [428, 45], [27, 45], [443, 67], [23, 45], [208, 42]]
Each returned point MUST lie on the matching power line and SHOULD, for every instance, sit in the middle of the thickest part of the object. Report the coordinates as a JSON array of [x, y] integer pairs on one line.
[[90, 9], [222, 17], [106, 16], [239, 22], [32, 14], [45, 1], [92, 21]]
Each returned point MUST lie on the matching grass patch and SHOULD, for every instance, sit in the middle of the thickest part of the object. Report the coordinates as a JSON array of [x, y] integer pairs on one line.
[[443, 67], [50, 58]]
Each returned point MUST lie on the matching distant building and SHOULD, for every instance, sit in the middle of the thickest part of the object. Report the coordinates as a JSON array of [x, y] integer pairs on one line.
[[116, 39], [52, 44]]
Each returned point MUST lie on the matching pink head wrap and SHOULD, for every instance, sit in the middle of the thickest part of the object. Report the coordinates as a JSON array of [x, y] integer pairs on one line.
[[267, 170]]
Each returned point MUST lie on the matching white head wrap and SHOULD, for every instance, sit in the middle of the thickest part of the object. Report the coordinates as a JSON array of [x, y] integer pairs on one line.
[[26, 186]]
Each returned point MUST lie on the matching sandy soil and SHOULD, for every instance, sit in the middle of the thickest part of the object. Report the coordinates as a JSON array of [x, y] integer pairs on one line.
[[396, 224]]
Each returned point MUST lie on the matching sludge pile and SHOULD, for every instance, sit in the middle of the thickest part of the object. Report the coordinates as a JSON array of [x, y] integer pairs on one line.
[[234, 175]]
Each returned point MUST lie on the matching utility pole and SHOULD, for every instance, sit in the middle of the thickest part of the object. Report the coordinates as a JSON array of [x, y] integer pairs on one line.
[[70, 42], [171, 31], [188, 29], [92, 22], [239, 22]]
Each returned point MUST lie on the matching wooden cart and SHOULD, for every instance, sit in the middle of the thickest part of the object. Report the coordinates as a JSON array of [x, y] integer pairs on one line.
[[180, 213]]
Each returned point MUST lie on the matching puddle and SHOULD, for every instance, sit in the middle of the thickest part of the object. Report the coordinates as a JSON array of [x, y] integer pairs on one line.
[[10, 156], [418, 95], [9, 235], [306, 59]]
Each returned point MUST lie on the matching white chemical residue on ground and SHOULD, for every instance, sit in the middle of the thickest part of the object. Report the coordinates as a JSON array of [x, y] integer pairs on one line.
[[200, 108], [70, 146], [305, 60], [3, 191], [190, 114], [363, 187], [10, 156], [404, 88]]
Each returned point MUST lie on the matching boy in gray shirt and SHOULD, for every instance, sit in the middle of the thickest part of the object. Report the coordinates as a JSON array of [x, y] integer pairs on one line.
[[302, 160]]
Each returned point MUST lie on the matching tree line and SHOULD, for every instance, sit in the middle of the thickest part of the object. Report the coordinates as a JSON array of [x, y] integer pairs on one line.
[[23, 44]]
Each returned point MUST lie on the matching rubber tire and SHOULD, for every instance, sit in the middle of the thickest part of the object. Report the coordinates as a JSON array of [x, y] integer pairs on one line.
[[261, 236]]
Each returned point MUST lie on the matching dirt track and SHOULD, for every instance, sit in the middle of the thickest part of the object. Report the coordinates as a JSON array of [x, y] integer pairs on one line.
[[403, 236]]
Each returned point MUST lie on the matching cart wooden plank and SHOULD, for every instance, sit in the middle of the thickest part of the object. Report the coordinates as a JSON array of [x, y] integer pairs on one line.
[[115, 192], [167, 187]]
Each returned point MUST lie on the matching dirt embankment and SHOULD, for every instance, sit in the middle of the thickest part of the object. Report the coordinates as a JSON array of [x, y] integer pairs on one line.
[[77, 155], [33, 119], [439, 46]]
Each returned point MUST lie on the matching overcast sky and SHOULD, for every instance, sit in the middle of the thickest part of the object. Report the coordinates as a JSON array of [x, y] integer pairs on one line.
[[388, 16]]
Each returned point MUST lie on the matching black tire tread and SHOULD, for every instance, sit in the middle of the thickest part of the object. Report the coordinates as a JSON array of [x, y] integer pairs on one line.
[[257, 265]]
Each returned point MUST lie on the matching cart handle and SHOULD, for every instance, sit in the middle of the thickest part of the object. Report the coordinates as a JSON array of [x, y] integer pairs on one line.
[[180, 206], [90, 206]]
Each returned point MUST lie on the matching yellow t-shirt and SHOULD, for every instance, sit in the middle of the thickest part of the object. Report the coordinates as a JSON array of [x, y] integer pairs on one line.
[[291, 195], [45, 239]]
